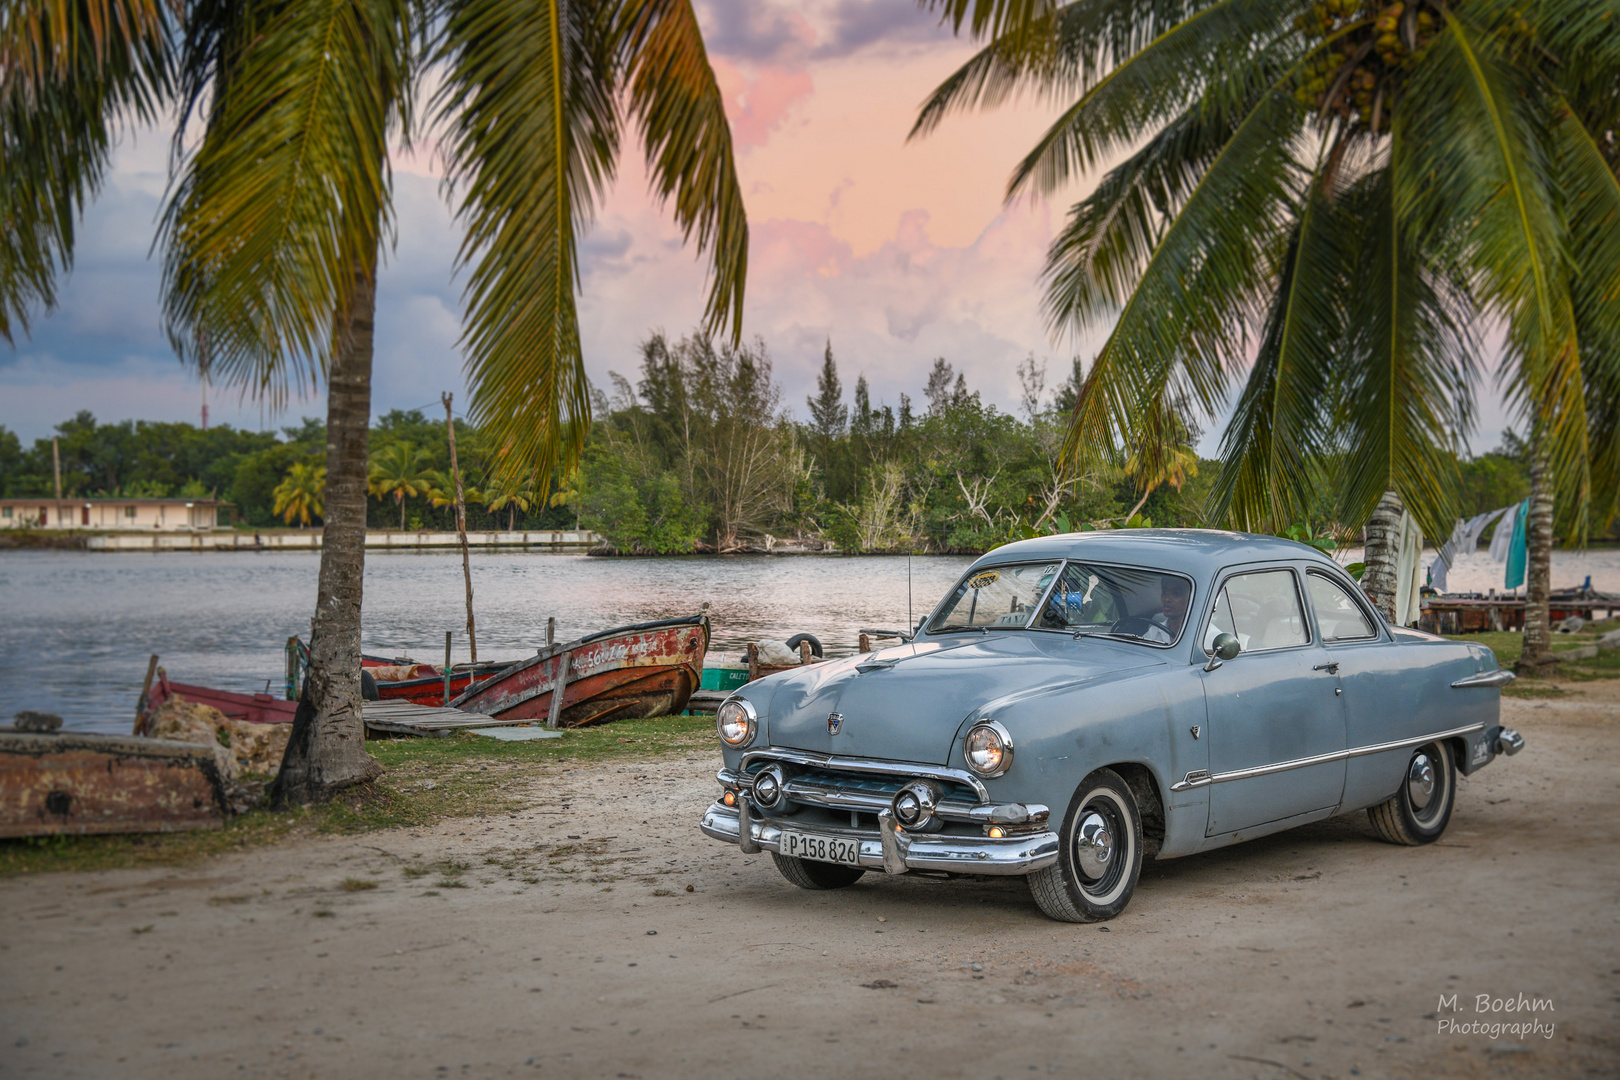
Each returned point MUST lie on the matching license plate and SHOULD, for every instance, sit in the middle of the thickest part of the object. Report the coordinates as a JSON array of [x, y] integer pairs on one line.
[[831, 849]]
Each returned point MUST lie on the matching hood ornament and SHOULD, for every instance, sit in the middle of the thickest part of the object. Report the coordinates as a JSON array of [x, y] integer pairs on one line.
[[835, 723]]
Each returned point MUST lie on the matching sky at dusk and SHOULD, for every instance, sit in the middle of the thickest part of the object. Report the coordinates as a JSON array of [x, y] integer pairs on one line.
[[897, 253]]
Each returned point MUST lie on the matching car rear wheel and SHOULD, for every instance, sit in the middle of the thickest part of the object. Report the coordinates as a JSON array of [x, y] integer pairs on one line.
[[810, 874], [1100, 854], [1419, 812]]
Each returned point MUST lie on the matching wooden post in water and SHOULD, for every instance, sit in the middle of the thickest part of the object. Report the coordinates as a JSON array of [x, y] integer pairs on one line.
[[461, 532], [866, 644], [551, 630], [447, 667], [146, 687]]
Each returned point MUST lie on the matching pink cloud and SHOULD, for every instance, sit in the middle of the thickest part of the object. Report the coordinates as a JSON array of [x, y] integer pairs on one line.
[[758, 100]]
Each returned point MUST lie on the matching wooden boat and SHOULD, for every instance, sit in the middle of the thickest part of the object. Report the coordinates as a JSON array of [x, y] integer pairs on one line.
[[75, 783], [254, 708], [649, 669], [426, 684]]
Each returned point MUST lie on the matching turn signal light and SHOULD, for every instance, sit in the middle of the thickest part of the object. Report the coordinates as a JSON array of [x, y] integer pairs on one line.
[[729, 798], [997, 832]]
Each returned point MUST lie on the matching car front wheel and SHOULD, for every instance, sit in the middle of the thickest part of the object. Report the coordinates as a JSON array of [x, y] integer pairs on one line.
[[1419, 812], [1100, 856]]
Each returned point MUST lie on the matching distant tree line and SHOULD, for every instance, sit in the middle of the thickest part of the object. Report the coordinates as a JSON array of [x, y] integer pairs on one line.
[[410, 476], [701, 454]]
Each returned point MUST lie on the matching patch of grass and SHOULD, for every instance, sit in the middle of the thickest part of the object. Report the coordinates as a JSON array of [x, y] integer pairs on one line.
[[450, 883], [416, 871], [354, 884], [1531, 688], [472, 775]]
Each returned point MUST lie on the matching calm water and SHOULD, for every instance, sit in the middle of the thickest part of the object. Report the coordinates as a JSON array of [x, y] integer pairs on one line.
[[76, 628]]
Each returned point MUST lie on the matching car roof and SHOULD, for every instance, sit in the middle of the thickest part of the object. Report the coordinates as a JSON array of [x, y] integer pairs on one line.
[[1197, 552]]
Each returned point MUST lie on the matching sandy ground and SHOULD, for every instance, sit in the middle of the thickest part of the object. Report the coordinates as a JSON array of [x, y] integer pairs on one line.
[[642, 949]]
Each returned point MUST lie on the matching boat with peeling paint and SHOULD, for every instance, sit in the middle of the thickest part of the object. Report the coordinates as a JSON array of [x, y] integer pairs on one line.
[[649, 669]]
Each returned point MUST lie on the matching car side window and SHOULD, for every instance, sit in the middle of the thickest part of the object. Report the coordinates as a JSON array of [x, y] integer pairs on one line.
[[1339, 617], [1263, 611]]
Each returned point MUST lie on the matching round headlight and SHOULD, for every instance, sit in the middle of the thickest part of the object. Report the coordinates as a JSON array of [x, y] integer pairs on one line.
[[988, 748], [735, 720]]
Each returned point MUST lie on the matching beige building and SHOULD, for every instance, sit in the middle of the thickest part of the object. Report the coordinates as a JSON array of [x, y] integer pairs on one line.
[[130, 514]]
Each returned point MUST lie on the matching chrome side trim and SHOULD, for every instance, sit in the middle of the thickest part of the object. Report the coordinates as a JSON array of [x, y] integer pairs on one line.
[[1498, 677], [833, 763], [931, 851], [1199, 778]]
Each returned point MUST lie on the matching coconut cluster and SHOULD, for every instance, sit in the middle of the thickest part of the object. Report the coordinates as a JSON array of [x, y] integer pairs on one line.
[[1370, 43]]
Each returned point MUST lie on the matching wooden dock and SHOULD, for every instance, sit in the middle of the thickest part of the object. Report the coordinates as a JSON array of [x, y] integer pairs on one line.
[[406, 718]]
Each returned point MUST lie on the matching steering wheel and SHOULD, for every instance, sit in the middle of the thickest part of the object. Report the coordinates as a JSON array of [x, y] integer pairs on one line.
[[1135, 625]]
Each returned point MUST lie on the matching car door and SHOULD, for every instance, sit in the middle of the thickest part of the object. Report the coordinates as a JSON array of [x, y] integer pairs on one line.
[[1370, 670], [1276, 724]]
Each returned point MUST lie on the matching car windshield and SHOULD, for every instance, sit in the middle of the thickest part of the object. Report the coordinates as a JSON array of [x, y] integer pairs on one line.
[[996, 598], [1119, 601]]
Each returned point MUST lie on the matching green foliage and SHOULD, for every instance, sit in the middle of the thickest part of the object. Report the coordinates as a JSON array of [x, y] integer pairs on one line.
[[1315, 207], [636, 504]]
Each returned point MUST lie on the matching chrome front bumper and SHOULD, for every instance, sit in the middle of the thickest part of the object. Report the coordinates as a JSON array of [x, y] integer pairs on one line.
[[895, 851]]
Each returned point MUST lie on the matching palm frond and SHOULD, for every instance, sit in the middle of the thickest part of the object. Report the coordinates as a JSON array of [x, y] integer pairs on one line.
[[528, 101], [288, 193], [1404, 396], [1211, 54], [1481, 168], [1185, 319], [71, 74], [1281, 424], [677, 102]]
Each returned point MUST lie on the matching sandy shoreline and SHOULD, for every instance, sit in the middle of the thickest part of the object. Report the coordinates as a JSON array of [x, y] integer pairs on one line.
[[563, 942]]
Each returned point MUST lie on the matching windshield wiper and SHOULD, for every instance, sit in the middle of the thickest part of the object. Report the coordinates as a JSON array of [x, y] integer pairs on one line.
[[1108, 634], [957, 627]]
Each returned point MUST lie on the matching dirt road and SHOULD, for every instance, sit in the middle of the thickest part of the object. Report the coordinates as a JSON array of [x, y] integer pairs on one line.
[[599, 935]]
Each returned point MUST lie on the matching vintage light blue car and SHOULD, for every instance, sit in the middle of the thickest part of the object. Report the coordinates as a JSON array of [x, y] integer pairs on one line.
[[1079, 703]]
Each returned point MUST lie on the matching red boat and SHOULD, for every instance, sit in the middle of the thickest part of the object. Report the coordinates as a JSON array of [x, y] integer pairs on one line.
[[254, 708], [423, 684], [649, 669]]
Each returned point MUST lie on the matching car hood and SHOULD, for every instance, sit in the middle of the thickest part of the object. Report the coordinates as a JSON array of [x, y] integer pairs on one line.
[[906, 703]]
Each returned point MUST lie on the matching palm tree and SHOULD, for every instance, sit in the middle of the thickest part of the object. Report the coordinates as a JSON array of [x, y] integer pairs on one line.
[[1163, 455], [300, 494], [441, 490], [1331, 196], [274, 231], [568, 494], [512, 495], [403, 471]]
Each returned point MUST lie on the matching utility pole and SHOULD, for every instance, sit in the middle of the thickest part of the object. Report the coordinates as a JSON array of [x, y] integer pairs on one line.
[[56, 463], [461, 526]]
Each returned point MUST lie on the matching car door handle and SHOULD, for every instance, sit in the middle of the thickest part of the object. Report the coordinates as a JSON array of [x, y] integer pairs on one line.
[[1331, 669]]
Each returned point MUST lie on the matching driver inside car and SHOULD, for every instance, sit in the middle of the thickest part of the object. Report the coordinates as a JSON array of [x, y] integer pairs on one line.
[[1175, 594]]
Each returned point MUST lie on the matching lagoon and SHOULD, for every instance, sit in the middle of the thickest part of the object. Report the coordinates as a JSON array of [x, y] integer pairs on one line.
[[76, 628]]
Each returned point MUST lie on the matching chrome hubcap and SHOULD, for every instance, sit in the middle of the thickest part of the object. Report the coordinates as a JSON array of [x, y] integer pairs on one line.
[[1420, 781], [1094, 845]]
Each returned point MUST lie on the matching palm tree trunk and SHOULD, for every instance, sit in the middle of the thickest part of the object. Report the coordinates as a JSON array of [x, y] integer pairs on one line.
[[1383, 550], [326, 750], [1140, 503], [1538, 570], [400, 497]]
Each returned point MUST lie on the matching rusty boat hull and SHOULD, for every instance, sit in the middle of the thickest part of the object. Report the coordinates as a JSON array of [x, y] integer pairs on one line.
[[77, 783], [650, 669], [429, 690], [254, 708]]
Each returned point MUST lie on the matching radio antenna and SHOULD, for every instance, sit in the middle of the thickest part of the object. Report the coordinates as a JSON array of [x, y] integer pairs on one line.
[[909, 623]]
